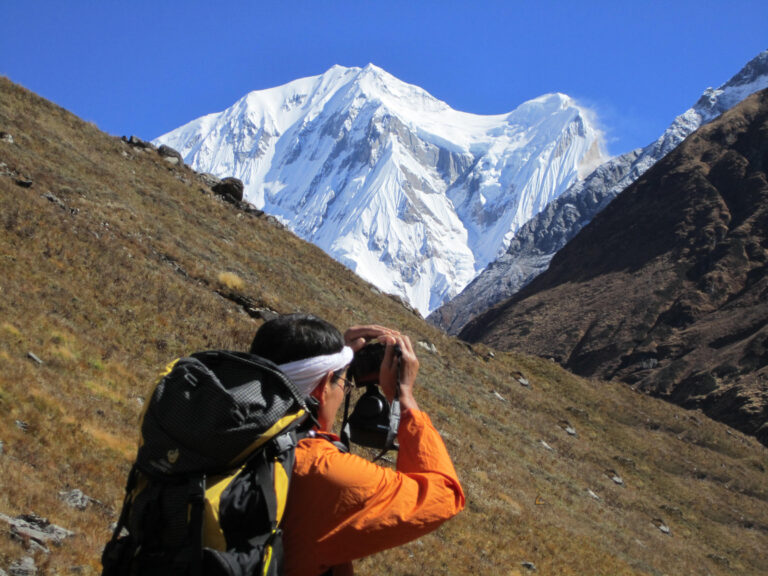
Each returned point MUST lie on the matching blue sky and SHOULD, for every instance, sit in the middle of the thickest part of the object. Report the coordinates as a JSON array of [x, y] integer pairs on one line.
[[146, 67]]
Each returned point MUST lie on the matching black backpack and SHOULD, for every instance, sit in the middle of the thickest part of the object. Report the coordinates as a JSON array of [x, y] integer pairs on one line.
[[207, 491]]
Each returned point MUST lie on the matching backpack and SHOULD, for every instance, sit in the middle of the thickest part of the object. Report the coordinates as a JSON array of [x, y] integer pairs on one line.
[[207, 491]]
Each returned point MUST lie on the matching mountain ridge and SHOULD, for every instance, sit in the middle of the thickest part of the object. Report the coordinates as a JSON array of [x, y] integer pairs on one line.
[[412, 195], [533, 247]]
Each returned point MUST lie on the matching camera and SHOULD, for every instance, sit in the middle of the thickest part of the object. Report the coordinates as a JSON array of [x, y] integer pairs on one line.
[[373, 422], [365, 366]]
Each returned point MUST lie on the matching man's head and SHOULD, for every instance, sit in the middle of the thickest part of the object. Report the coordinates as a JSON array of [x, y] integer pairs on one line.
[[295, 337], [311, 352]]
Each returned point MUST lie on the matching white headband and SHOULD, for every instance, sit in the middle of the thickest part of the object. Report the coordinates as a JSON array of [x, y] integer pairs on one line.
[[306, 373]]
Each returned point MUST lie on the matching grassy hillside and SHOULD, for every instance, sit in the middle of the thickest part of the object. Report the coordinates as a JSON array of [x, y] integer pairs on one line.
[[113, 262]]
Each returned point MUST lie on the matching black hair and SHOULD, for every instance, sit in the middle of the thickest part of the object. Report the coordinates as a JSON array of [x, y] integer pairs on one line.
[[295, 337]]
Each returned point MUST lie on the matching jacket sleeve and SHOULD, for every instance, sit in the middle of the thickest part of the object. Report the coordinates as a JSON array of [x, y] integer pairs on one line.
[[376, 508]]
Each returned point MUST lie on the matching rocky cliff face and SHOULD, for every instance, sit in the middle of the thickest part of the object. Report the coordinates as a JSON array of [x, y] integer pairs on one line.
[[532, 249], [667, 288]]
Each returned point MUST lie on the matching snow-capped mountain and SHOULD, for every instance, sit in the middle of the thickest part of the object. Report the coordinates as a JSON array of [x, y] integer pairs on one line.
[[533, 247], [412, 195]]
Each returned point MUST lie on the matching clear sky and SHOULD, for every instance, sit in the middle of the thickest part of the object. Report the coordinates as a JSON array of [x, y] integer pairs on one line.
[[145, 67]]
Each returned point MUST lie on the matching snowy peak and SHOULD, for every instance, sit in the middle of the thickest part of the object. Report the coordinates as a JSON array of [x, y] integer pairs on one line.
[[715, 101], [755, 71], [412, 195], [376, 84]]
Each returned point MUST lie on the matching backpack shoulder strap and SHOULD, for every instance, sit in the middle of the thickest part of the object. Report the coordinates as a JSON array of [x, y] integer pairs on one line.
[[119, 550], [343, 448]]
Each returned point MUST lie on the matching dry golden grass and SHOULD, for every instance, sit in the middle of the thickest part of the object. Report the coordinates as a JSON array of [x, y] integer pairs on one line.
[[124, 273], [231, 280]]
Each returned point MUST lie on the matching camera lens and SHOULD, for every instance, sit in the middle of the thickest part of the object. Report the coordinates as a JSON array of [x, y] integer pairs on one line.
[[370, 407], [364, 369]]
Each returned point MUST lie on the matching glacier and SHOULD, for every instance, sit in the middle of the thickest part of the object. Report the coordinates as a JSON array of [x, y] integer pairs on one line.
[[413, 196]]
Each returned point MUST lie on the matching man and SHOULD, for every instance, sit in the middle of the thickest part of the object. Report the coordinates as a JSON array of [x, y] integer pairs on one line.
[[342, 507]]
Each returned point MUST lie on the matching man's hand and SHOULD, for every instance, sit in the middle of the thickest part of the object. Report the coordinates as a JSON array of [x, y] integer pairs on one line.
[[357, 336], [405, 366]]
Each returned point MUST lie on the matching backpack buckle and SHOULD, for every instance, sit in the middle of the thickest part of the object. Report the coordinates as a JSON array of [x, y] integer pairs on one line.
[[284, 442]]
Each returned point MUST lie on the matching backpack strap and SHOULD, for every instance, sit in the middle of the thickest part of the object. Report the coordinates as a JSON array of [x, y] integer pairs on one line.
[[340, 445], [345, 428], [125, 513], [196, 500], [273, 468], [117, 553], [394, 425]]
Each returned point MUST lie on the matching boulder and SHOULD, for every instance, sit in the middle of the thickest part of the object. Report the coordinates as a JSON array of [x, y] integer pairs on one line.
[[24, 567], [249, 208], [77, 499], [55, 199], [208, 180], [230, 188], [137, 142], [36, 530], [171, 156], [264, 313], [428, 346]]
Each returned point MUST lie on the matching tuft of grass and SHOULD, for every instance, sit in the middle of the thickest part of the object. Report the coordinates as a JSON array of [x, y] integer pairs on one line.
[[10, 330], [231, 280]]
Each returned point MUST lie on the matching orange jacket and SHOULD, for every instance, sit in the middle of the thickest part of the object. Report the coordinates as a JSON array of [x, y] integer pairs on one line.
[[342, 507]]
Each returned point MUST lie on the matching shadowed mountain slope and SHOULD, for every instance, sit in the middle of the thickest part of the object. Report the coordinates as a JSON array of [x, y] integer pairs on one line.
[[115, 260], [666, 289]]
